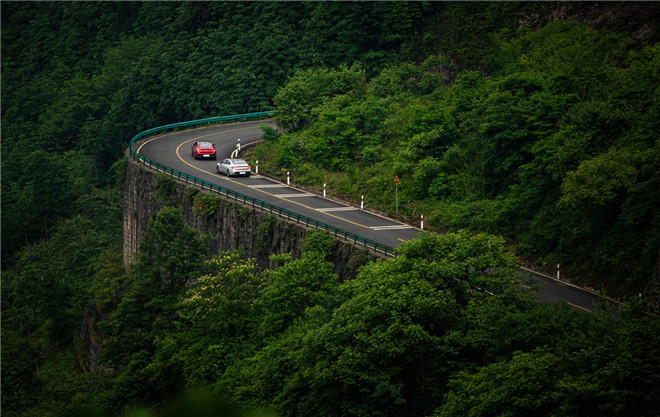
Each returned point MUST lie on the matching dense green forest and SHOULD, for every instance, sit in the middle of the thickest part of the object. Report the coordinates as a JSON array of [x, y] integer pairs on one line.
[[556, 148], [537, 122]]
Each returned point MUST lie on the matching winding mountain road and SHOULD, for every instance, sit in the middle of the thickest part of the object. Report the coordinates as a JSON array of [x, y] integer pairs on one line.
[[174, 150]]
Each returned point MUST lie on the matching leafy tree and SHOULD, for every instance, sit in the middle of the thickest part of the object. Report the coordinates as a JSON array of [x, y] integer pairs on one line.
[[45, 294], [517, 387], [307, 89], [560, 363], [171, 254], [20, 361], [293, 288], [217, 320], [34, 205], [381, 350]]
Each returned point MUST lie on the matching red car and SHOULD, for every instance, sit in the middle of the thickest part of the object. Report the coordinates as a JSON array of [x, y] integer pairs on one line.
[[203, 150]]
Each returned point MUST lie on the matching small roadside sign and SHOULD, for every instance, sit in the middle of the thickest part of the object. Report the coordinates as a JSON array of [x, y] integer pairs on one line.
[[396, 192]]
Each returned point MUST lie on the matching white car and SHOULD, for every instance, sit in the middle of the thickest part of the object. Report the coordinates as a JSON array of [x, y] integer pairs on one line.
[[231, 167]]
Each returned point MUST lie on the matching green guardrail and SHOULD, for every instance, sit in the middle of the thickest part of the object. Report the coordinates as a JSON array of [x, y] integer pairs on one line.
[[242, 198], [194, 123]]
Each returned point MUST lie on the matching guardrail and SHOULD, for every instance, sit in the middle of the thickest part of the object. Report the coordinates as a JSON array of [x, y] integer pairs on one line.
[[194, 123], [242, 198]]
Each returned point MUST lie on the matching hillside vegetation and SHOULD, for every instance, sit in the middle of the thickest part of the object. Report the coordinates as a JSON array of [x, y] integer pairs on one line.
[[556, 147], [533, 121]]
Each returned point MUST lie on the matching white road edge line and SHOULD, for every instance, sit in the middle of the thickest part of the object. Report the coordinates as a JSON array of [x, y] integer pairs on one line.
[[294, 195], [396, 227], [336, 209]]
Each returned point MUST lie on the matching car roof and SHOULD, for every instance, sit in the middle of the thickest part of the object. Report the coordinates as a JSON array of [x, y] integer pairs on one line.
[[238, 161], [205, 144]]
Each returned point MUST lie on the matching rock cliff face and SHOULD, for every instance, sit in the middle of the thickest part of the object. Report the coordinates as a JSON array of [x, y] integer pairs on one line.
[[90, 340], [231, 224]]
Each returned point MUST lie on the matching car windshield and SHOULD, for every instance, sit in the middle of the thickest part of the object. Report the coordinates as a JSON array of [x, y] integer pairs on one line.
[[205, 145], [238, 162]]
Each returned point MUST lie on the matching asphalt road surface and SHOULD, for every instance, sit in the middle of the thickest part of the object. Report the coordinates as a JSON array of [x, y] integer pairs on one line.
[[174, 150]]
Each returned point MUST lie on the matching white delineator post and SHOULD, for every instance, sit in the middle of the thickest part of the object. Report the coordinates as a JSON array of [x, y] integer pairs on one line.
[[256, 167], [239, 145], [323, 190], [362, 202], [288, 182], [422, 225], [557, 271]]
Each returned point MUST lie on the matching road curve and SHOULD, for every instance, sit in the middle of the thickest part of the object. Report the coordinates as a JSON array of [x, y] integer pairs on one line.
[[174, 150]]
